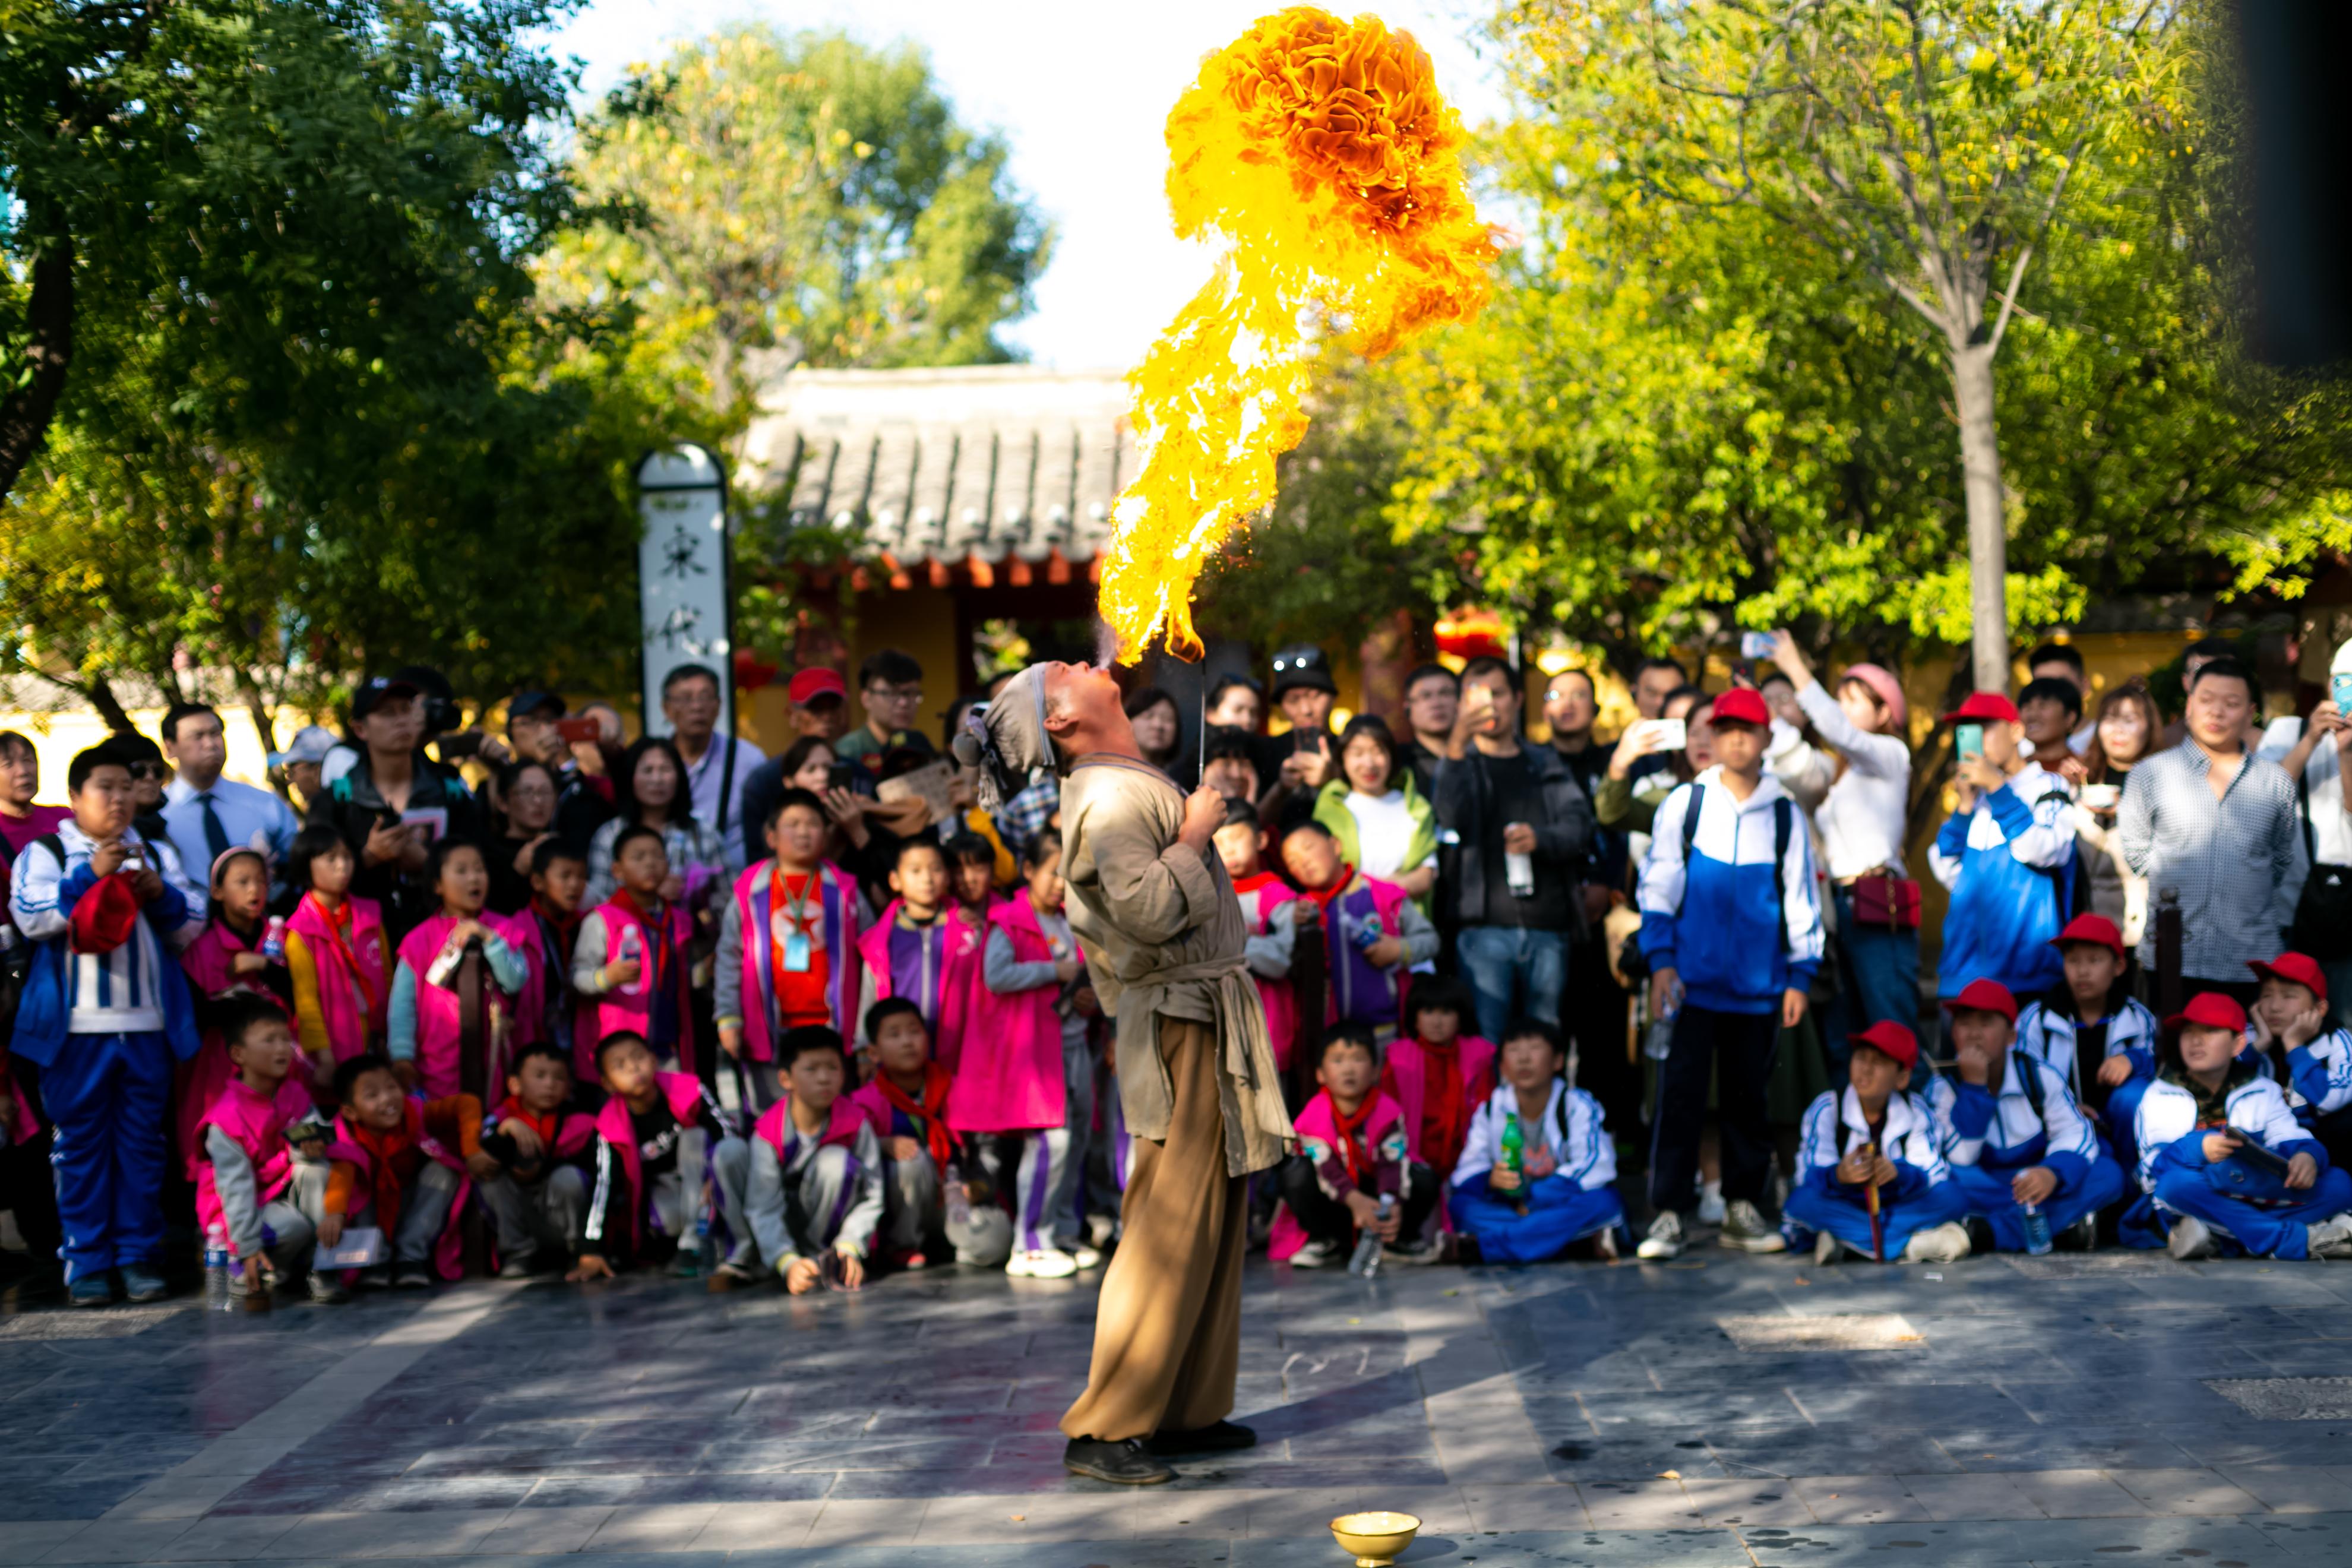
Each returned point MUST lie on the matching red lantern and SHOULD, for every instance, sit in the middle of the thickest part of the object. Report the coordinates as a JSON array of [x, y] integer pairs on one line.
[[1473, 634], [752, 672]]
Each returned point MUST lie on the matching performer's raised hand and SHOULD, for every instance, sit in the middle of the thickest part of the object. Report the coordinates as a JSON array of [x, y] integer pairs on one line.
[[1204, 813]]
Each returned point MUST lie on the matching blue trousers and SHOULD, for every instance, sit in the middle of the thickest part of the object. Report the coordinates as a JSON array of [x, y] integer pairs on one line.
[[108, 1094], [2252, 1207], [1558, 1213], [1880, 981], [1812, 1210], [1514, 973], [1988, 1199], [2119, 1120]]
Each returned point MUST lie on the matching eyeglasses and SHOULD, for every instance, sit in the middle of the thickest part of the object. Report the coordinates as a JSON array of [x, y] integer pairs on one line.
[[146, 770], [893, 693]]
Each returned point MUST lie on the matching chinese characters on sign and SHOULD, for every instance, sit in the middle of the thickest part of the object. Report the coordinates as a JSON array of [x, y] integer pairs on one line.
[[682, 576]]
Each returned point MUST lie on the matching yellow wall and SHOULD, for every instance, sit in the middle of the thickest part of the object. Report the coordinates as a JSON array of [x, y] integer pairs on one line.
[[56, 738]]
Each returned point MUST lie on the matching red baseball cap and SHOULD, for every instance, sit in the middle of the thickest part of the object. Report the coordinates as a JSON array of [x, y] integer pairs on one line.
[[105, 915], [2297, 969], [1889, 1038], [1984, 996], [2094, 929], [1983, 707], [1741, 706], [2211, 1009], [808, 685]]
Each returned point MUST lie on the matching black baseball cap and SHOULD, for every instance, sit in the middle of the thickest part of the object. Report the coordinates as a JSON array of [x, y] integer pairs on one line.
[[527, 703], [375, 689], [1303, 665]]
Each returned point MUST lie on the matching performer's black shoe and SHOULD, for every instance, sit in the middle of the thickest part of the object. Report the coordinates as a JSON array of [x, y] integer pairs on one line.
[[1124, 1463], [1219, 1438]]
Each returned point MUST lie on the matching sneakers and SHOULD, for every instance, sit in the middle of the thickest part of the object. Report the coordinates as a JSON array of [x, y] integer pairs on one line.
[[1604, 1244], [1415, 1252], [328, 1291], [1711, 1207], [90, 1290], [2331, 1237], [518, 1266], [1217, 1437], [1945, 1243], [142, 1283], [1085, 1256], [1045, 1263], [410, 1277], [2190, 1240], [1123, 1464], [1665, 1239], [1745, 1229], [1315, 1255], [1827, 1248], [2082, 1235]]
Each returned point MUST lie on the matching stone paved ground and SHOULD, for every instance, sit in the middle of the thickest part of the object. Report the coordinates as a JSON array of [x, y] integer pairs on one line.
[[1720, 1411]]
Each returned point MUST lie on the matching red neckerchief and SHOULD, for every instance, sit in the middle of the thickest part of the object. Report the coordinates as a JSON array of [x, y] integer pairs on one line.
[[338, 927], [1254, 881], [808, 901], [656, 937], [546, 1126], [567, 926], [1441, 1088], [926, 1113], [1350, 1127], [1323, 897], [383, 1175]]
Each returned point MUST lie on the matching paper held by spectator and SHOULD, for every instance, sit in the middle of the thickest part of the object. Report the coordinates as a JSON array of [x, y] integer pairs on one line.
[[361, 1247]]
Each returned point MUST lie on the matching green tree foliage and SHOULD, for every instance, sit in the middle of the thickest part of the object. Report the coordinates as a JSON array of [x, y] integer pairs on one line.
[[804, 199], [313, 418], [1680, 414]]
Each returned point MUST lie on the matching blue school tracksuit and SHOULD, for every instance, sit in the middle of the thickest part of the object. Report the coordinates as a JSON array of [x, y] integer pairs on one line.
[[1577, 1199], [1988, 1137], [1922, 1196], [2319, 1076], [2237, 1201], [106, 1030], [2049, 1029], [2010, 864]]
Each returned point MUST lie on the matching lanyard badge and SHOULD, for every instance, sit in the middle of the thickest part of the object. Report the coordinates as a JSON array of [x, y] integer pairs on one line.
[[787, 934]]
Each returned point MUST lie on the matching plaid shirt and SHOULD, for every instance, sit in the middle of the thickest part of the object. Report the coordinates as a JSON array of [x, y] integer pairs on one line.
[[2237, 863], [1025, 815]]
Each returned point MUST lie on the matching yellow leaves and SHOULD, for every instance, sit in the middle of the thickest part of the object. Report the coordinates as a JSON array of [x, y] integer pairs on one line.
[[863, 149]]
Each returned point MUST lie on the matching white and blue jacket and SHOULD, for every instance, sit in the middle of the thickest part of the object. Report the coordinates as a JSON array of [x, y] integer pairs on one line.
[[2319, 1075], [1570, 1128], [2007, 1130], [2046, 1030], [1834, 1123], [136, 988], [2168, 1133], [2009, 865], [1739, 917]]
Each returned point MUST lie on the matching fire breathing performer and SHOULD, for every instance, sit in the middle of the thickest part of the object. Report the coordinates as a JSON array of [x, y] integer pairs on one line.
[[1155, 913]]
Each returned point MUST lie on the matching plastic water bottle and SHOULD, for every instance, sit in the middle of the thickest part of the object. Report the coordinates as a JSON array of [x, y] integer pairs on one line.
[[1367, 1261], [959, 1202], [702, 1263], [273, 940], [2037, 1230], [217, 1267], [2339, 678]]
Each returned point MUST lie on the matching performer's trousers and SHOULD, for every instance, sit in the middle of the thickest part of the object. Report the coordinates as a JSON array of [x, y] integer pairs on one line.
[[1168, 1325]]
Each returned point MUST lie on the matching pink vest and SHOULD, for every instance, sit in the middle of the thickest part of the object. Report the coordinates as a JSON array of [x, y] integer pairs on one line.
[[1009, 1078], [843, 1124], [961, 940], [437, 1005], [448, 1248], [684, 1096], [837, 903], [258, 1126], [630, 1007], [1280, 1001], [1316, 1121], [1408, 1070], [349, 1030], [1388, 901], [573, 1133], [204, 1077]]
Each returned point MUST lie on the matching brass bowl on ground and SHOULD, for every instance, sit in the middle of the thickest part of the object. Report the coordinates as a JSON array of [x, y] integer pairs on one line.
[[1374, 1539]]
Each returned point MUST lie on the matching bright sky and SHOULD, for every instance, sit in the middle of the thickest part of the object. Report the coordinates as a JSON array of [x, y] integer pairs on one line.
[[1080, 98]]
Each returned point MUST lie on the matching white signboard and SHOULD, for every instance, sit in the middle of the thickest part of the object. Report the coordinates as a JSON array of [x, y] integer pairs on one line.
[[682, 599]]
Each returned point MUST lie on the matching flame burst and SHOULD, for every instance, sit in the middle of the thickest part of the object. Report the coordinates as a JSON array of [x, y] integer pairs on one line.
[[1321, 152]]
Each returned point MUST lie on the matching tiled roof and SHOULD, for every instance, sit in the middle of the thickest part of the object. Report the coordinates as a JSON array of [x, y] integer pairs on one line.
[[975, 467]]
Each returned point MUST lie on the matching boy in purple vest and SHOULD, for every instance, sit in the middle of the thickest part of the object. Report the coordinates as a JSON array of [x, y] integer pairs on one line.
[[1372, 932], [1351, 1176]]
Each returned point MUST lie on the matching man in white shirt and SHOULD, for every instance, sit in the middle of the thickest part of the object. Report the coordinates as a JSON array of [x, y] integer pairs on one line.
[[2317, 764], [207, 815], [717, 767]]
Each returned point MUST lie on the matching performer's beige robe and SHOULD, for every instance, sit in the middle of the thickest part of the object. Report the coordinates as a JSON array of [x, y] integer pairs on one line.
[[1163, 937]]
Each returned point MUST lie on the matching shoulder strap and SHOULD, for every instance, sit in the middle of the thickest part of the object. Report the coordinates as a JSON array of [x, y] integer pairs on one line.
[[1690, 820], [725, 784], [2029, 1080], [54, 845], [1784, 823], [2310, 835]]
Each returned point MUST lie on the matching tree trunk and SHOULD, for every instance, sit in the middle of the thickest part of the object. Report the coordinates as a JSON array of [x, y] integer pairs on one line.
[[109, 707], [25, 413], [1987, 520]]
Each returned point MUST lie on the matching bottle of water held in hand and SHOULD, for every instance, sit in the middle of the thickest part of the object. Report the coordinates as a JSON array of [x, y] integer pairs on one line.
[[273, 940], [1367, 1261], [2037, 1230], [217, 1264], [959, 1202]]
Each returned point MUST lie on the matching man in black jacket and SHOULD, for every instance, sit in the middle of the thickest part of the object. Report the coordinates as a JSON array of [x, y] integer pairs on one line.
[[1526, 826], [393, 803]]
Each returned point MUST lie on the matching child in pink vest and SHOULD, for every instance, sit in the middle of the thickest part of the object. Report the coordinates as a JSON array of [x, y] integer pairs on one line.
[[816, 1193], [395, 1169], [630, 963], [1266, 898], [926, 948], [1439, 1076], [226, 962], [542, 1145], [1372, 932], [337, 955], [251, 1191], [1027, 1069], [787, 949], [423, 1022], [664, 1150], [906, 1102], [1351, 1157]]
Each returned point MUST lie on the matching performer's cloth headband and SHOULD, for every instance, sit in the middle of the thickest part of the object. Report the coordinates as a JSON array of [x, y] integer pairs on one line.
[[1006, 739]]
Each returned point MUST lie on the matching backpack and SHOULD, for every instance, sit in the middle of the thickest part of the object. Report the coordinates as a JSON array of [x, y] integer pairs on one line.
[[1784, 827]]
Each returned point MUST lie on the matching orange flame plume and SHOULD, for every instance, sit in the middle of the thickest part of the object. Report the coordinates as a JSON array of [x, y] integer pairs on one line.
[[1321, 152]]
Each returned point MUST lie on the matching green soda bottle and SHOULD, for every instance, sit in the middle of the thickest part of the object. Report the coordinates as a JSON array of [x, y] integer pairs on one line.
[[1515, 1158]]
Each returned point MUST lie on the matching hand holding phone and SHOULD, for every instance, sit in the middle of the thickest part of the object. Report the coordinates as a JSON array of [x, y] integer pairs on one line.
[[1968, 740], [1674, 734], [1759, 645]]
